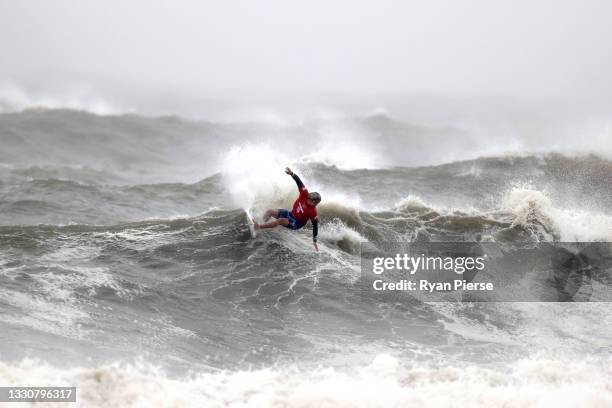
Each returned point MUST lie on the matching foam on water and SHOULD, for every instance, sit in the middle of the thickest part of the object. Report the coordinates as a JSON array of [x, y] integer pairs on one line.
[[386, 381], [43, 314], [577, 328]]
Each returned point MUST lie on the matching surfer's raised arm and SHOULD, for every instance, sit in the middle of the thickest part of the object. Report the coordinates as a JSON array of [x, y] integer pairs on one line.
[[296, 178]]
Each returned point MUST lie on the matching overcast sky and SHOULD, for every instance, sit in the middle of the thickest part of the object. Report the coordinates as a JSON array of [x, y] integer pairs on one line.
[[448, 47]]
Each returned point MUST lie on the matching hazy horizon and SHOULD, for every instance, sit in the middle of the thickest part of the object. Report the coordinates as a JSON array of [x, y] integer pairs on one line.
[[142, 56]]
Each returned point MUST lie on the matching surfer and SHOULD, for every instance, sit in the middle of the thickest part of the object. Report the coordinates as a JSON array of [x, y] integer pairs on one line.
[[304, 209]]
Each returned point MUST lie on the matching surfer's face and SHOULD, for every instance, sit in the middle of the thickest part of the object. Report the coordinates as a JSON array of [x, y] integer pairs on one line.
[[311, 202]]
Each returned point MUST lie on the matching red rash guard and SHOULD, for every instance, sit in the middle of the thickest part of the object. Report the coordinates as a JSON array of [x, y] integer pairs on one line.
[[301, 211]]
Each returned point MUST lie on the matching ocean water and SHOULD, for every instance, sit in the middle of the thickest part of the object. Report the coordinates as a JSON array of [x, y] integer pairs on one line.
[[127, 268]]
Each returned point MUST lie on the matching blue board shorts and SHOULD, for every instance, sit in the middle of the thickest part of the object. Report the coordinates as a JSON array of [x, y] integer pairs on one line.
[[293, 223]]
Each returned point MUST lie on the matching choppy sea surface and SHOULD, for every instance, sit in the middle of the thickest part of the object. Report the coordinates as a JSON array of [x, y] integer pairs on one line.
[[127, 268]]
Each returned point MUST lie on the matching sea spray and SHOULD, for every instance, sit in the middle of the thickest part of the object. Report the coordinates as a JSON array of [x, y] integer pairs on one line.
[[253, 174], [533, 209]]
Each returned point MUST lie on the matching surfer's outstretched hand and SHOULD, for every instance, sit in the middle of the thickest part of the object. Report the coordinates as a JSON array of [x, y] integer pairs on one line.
[[316, 246], [288, 171]]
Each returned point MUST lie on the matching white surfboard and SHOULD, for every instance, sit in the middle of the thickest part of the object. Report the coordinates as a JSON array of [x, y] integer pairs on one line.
[[250, 223]]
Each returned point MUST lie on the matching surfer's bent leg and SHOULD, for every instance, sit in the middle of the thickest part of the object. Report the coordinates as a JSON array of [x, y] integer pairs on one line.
[[272, 224], [283, 217], [270, 213]]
